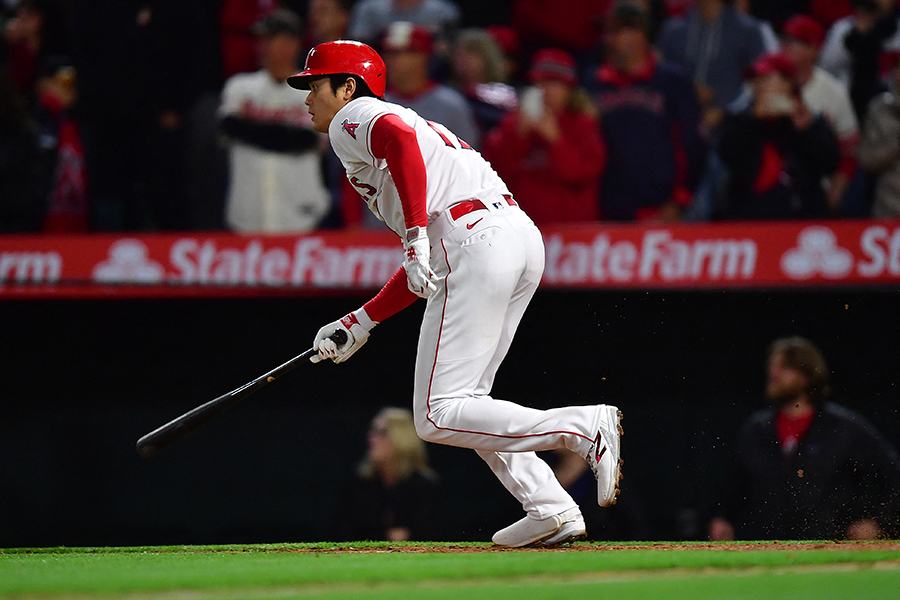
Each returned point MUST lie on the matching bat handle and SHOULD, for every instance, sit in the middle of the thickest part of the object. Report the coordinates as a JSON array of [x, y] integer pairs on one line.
[[339, 337]]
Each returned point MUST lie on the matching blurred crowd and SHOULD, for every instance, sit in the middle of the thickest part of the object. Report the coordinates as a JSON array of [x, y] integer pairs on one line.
[[146, 115]]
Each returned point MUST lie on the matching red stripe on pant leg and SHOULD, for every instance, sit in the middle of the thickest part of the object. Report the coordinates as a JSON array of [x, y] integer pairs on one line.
[[440, 330], [434, 366]]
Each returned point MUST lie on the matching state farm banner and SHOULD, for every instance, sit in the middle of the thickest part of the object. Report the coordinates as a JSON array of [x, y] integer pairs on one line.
[[725, 255], [628, 256], [195, 264]]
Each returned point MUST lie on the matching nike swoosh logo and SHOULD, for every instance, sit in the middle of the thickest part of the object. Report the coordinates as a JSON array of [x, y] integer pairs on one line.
[[473, 224]]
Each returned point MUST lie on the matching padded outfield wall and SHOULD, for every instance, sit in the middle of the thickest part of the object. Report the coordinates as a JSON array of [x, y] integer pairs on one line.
[[83, 379]]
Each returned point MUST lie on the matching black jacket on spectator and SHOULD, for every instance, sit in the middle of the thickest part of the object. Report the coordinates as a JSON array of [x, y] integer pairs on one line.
[[272, 136], [865, 50], [366, 509], [24, 180], [776, 170], [141, 68], [25, 167], [841, 471]]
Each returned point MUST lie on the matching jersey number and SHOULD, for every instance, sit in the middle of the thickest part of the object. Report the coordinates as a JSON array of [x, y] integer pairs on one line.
[[369, 189], [462, 143]]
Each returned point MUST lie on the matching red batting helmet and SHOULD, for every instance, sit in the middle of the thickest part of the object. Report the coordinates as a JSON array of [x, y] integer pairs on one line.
[[342, 56]]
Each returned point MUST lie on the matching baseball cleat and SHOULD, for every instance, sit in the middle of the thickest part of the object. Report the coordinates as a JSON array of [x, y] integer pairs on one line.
[[571, 530], [604, 455], [566, 526]]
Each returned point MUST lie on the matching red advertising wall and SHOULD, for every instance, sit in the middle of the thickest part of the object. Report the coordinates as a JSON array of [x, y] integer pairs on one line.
[[704, 256]]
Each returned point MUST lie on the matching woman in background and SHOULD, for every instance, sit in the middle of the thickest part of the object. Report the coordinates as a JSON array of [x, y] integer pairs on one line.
[[394, 495]]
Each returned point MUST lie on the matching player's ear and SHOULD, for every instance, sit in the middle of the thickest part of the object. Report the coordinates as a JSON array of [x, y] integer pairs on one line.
[[349, 88]]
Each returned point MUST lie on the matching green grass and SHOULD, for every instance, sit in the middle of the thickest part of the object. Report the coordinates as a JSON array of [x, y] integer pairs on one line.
[[316, 571]]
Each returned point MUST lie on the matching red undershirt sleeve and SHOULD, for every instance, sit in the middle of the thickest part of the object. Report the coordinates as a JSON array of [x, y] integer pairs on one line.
[[393, 297], [396, 142]]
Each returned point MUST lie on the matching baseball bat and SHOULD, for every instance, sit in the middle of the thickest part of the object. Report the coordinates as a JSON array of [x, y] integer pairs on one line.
[[176, 429]]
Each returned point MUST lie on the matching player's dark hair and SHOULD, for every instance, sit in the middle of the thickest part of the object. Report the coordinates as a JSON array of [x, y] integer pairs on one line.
[[362, 88], [804, 356]]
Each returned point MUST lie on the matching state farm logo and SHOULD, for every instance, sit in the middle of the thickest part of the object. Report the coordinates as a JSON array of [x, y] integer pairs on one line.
[[128, 262], [311, 262], [193, 261], [817, 253], [657, 256]]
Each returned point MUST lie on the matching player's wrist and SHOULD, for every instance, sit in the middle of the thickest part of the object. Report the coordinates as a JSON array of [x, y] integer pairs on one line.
[[363, 318], [414, 234]]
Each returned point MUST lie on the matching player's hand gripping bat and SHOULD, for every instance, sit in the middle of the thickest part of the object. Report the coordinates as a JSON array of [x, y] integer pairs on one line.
[[178, 428]]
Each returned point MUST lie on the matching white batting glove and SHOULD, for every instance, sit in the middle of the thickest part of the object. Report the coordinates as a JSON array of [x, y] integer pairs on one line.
[[419, 277], [357, 325]]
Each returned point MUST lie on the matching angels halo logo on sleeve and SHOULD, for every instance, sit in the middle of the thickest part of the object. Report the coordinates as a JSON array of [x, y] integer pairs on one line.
[[350, 127]]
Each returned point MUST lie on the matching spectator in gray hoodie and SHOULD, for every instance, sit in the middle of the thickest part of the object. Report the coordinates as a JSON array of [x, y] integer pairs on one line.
[[715, 43]]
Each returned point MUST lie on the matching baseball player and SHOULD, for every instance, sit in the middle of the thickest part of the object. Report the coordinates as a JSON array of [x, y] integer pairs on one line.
[[477, 258]]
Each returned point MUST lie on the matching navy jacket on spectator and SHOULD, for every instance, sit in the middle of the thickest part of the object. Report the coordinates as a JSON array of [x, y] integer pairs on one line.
[[650, 123]]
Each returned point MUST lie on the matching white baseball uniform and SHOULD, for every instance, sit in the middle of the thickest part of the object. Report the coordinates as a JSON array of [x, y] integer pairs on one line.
[[489, 257], [271, 191]]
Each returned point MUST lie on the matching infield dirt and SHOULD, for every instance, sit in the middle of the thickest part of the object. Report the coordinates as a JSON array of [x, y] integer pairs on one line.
[[592, 547]]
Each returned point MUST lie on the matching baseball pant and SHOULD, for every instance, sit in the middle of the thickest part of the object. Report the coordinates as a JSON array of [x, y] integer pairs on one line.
[[490, 262]]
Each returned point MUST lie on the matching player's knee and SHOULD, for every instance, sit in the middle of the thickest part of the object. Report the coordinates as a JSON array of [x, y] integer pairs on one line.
[[426, 430]]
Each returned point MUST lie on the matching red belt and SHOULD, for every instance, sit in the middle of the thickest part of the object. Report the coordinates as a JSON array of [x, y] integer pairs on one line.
[[466, 206]]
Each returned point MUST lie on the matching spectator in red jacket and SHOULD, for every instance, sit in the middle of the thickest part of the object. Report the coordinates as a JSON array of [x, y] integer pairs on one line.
[[550, 151]]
